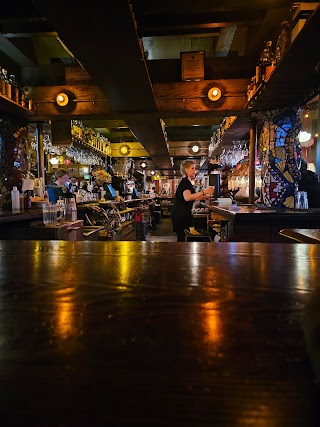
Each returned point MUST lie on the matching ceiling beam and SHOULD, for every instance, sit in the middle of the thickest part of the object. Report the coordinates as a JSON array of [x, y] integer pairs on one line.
[[146, 7], [174, 100], [128, 88], [166, 24], [8, 48]]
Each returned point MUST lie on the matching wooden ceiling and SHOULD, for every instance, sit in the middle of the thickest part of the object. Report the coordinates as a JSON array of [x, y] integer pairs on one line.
[[128, 89]]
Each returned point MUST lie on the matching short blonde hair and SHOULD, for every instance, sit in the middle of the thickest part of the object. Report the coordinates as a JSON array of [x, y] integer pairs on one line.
[[185, 165]]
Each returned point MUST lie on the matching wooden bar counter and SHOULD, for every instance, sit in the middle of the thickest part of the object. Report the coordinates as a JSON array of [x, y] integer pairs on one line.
[[156, 334], [18, 216], [253, 224]]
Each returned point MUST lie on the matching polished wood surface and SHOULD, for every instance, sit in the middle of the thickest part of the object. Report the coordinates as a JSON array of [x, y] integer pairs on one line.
[[156, 334], [301, 235], [20, 215], [254, 224]]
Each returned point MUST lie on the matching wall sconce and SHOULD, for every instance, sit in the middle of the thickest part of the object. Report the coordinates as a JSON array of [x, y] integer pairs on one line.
[[195, 148], [62, 99], [214, 94], [152, 173], [143, 165], [124, 150]]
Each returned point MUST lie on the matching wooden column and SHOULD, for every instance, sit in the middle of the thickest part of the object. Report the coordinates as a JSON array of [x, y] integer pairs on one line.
[[252, 160], [40, 150]]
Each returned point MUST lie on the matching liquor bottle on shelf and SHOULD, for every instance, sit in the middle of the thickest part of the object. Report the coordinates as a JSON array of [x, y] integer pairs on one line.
[[14, 88], [22, 97], [2, 83], [267, 61], [7, 91], [258, 74], [28, 99]]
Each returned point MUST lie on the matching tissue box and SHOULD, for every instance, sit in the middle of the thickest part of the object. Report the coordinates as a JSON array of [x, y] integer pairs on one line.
[[300, 17]]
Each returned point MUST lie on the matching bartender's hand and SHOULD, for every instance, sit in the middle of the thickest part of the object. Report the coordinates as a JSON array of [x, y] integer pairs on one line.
[[209, 191]]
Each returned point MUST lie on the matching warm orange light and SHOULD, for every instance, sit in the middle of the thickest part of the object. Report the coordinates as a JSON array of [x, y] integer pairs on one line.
[[62, 99], [124, 150], [214, 94]]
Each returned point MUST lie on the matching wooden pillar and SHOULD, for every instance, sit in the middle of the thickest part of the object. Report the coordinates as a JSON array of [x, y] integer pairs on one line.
[[252, 160], [40, 150]]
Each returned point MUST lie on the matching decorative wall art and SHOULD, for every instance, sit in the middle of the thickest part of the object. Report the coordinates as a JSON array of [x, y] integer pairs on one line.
[[280, 155]]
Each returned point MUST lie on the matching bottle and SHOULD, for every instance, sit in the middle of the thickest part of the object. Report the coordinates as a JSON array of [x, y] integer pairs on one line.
[[2, 83], [7, 85], [14, 88], [258, 74], [74, 213], [28, 99], [27, 199], [267, 61], [15, 199], [22, 97], [21, 197]]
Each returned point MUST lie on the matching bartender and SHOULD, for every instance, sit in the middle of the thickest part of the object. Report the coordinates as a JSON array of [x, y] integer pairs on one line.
[[59, 186]]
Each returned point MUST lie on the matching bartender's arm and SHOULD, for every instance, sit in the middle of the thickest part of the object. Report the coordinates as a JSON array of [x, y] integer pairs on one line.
[[200, 195]]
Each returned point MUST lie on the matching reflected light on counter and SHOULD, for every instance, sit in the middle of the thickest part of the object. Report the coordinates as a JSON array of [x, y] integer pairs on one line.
[[125, 265], [302, 265], [65, 313], [36, 258], [212, 322], [259, 414]]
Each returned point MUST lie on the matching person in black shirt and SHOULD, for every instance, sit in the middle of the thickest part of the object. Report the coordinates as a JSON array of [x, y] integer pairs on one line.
[[309, 182], [185, 195]]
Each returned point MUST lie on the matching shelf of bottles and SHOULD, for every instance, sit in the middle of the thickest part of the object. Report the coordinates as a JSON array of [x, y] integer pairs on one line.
[[90, 138], [264, 69], [12, 91]]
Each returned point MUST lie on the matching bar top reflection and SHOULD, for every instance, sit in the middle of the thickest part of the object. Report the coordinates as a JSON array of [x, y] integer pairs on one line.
[[150, 334]]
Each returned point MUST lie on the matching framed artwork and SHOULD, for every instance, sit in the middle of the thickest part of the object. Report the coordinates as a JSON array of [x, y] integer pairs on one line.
[[83, 170], [72, 171], [192, 65]]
